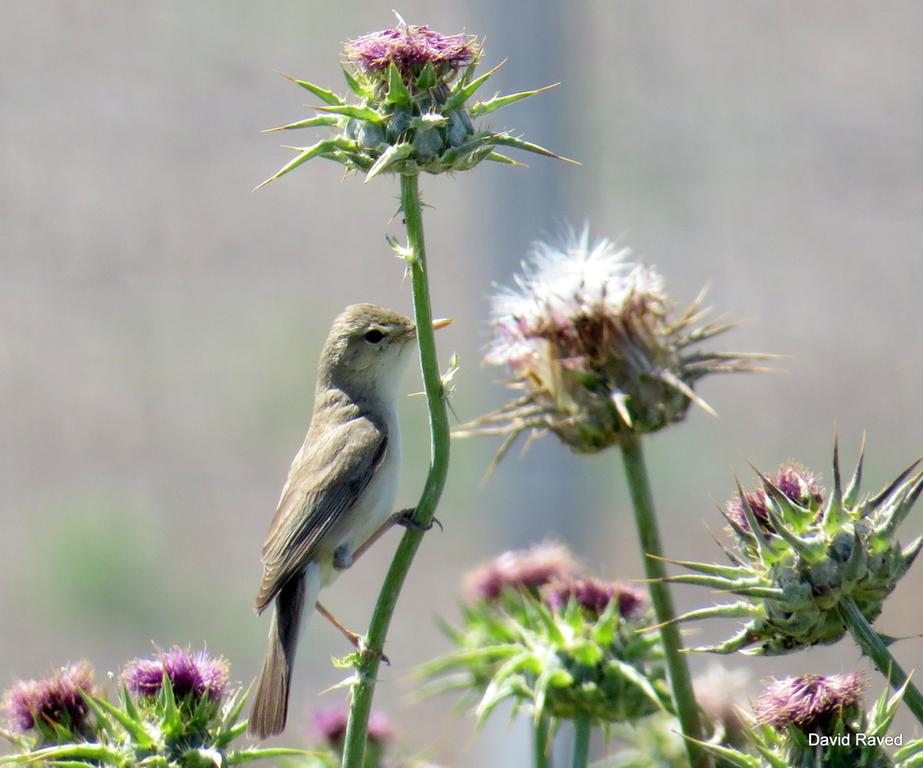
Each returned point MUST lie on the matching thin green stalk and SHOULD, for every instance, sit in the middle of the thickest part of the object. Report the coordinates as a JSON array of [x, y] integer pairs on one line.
[[687, 711], [582, 731], [542, 743], [874, 647], [367, 667]]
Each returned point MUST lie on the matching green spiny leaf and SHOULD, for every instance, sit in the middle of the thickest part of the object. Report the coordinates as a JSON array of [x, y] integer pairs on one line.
[[307, 153], [249, 755], [311, 122], [393, 154], [427, 77], [498, 102], [328, 97], [397, 91], [506, 140], [355, 86], [355, 111], [465, 90], [498, 158]]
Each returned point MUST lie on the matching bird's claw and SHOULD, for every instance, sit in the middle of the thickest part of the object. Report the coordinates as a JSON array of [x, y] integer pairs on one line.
[[363, 649], [406, 520]]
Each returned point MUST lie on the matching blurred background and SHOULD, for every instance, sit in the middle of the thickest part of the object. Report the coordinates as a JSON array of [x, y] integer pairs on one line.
[[160, 323]]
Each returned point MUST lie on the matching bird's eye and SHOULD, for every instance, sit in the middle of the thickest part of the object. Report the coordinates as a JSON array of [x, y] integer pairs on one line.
[[374, 336]]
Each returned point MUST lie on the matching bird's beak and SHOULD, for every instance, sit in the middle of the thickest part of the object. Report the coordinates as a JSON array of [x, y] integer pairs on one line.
[[441, 322]]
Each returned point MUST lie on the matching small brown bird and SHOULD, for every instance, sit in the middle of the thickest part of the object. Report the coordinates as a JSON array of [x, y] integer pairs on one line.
[[340, 491]]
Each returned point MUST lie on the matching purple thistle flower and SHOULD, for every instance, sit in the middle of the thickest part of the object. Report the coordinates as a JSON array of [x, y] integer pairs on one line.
[[594, 595], [53, 700], [808, 702], [520, 570], [410, 47], [330, 725], [196, 674], [797, 483]]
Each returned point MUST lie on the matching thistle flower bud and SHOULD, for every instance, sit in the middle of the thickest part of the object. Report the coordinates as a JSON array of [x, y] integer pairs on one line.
[[809, 702], [410, 109], [594, 596], [565, 646], [813, 721], [797, 484], [53, 707], [591, 343], [330, 727], [801, 553], [197, 676], [520, 570]]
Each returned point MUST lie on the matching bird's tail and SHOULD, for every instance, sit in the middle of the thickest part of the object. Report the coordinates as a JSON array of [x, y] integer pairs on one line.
[[270, 703]]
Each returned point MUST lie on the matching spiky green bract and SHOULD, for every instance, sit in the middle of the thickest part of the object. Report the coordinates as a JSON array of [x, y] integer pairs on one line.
[[571, 663], [410, 108], [853, 738], [797, 567], [156, 731]]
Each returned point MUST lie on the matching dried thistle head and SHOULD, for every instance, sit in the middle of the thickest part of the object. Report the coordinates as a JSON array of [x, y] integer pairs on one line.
[[591, 340]]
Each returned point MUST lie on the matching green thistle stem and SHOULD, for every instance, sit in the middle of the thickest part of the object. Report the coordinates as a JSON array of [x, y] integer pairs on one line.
[[582, 731], [367, 668], [542, 757], [687, 711], [874, 647]]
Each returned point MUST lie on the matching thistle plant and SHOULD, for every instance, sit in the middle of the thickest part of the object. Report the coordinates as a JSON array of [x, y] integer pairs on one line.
[[410, 111], [330, 728], [410, 107], [601, 358], [818, 721], [812, 566], [175, 710], [52, 709], [561, 645]]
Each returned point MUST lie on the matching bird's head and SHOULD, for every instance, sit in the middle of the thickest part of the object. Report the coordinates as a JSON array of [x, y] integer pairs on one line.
[[367, 350]]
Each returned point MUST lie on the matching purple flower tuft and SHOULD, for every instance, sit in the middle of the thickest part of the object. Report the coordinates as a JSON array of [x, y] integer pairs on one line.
[[196, 674], [809, 702], [54, 700], [796, 482], [523, 569], [330, 725], [594, 595], [410, 48]]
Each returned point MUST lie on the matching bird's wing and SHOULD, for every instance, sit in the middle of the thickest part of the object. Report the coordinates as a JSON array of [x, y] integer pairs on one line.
[[324, 482]]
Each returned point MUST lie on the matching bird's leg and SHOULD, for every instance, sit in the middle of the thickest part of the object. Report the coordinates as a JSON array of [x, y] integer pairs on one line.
[[355, 640], [343, 558]]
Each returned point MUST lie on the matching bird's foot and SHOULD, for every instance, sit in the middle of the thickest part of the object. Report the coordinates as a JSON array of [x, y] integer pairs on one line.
[[405, 518], [356, 640], [342, 558]]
